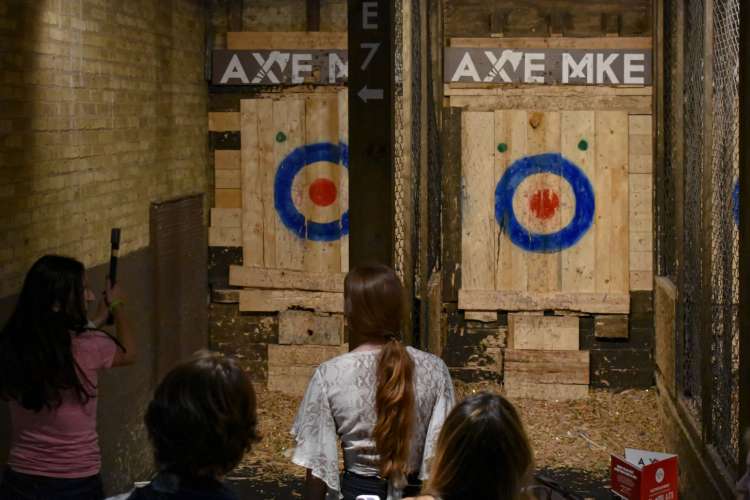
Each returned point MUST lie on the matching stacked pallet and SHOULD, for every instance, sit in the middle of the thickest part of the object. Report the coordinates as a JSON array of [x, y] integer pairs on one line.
[[543, 360], [309, 308]]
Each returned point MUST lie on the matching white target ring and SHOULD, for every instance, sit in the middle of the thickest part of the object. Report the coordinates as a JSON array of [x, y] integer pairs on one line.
[[320, 191], [544, 203]]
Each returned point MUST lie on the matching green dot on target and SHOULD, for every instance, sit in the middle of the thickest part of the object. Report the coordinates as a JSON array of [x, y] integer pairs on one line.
[[502, 147], [280, 137], [583, 145]]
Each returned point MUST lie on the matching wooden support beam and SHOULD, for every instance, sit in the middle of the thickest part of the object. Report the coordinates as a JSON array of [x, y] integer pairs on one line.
[[286, 279], [487, 300]]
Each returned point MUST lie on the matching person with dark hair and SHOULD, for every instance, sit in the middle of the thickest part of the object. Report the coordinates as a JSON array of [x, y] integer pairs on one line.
[[49, 361], [201, 423], [386, 402], [482, 452]]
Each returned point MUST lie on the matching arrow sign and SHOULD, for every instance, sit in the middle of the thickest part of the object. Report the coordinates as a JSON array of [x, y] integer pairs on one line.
[[370, 94]]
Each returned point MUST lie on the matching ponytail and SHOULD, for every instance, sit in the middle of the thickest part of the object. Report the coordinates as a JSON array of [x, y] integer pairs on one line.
[[373, 301], [394, 404]]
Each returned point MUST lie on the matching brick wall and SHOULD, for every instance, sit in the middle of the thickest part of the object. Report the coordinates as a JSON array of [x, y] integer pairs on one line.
[[102, 111]]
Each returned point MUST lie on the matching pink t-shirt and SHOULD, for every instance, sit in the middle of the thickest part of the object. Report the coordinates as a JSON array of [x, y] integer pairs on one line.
[[63, 442]]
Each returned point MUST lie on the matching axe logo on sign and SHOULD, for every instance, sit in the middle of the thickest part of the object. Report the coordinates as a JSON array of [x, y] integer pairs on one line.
[[544, 203], [303, 192]]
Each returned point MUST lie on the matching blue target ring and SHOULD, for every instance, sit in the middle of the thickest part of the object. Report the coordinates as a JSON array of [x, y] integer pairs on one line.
[[566, 237], [288, 169], [736, 202]]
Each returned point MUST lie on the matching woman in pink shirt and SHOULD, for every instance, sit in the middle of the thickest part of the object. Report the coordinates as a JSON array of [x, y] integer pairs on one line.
[[49, 361]]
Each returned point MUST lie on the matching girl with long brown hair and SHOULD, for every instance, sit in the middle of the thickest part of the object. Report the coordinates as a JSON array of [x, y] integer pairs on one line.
[[384, 401], [482, 453]]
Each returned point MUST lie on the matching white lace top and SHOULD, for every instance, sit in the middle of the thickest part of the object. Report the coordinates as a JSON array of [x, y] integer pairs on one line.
[[340, 403]]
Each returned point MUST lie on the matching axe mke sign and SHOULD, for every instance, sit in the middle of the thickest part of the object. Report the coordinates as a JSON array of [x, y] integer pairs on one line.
[[548, 66], [279, 67]]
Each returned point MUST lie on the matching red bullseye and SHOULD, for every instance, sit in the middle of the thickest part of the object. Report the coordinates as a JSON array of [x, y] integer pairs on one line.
[[544, 203], [322, 192]]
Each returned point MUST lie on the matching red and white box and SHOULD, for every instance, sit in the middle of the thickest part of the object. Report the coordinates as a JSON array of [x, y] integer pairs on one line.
[[644, 475]]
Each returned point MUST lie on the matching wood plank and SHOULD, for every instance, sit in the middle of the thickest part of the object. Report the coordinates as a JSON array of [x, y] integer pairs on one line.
[[224, 236], [523, 89], [516, 387], [321, 125], [631, 104], [223, 121], [343, 194], [518, 148], [641, 125], [290, 367], [611, 327], [252, 203], [547, 367], [543, 136], [227, 159], [309, 328], [600, 43], [289, 118], [486, 300], [295, 40], [504, 152], [555, 333], [641, 280], [228, 198], [611, 188], [281, 300], [477, 240], [226, 217], [285, 279], [264, 183], [227, 179], [280, 356], [578, 145], [481, 316]]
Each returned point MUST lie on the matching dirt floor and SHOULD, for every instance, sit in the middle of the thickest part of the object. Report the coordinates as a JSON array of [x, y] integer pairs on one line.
[[572, 440]]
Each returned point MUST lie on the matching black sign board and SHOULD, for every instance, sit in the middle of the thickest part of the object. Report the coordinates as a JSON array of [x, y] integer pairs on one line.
[[370, 132]]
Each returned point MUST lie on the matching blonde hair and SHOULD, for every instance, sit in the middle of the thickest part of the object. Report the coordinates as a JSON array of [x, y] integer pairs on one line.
[[482, 452]]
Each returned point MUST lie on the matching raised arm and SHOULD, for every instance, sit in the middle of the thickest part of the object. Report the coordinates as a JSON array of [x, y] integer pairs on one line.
[[124, 330]]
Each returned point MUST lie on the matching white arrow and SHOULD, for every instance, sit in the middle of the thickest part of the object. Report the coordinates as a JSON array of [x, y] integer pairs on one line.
[[365, 94]]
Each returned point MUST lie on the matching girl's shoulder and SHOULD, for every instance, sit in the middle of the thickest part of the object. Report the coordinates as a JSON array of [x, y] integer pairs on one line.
[[426, 359]]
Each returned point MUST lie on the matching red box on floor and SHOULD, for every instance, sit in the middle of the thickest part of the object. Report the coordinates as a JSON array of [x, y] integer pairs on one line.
[[644, 475]]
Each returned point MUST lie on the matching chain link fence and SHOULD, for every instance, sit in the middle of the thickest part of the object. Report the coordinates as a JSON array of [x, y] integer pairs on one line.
[[698, 182], [690, 365], [724, 231]]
